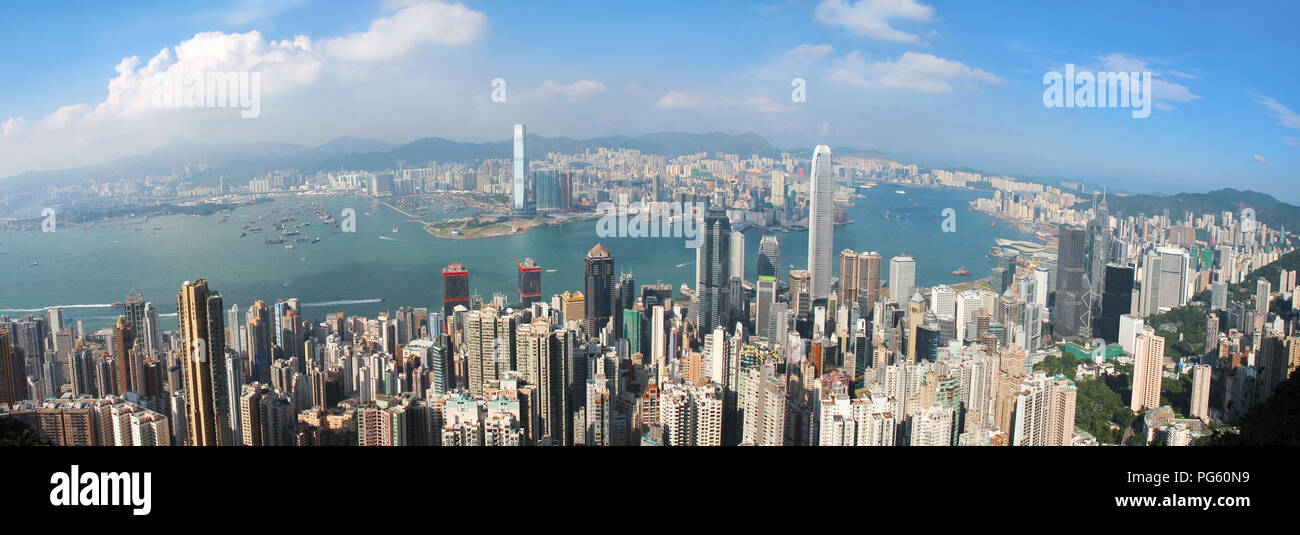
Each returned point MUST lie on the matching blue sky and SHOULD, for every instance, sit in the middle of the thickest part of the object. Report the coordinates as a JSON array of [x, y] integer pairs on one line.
[[936, 83]]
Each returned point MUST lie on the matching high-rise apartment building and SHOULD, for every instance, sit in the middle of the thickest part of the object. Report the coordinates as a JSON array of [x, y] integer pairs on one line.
[[203, 338], [1148, 370]]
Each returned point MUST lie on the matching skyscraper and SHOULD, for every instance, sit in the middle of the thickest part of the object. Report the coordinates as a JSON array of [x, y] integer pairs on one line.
[[1071, 258], [714, 269], [203, 349], [455, 289], [1116, 301], [778, 189], [598, 289], [1200, 402], [1148, 370], [737, 251], [821, 230], [902, 278], [520, 194], [530, 283], [769, 257]]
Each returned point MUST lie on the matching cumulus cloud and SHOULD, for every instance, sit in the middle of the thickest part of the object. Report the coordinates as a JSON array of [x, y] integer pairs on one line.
[[913, 71], [550, 90], [1258, 159], [129, 120], [13, 127], [871, 18], [412, 25]]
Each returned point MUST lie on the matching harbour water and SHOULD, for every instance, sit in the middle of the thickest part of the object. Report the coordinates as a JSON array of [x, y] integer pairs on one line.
[[390, 262]]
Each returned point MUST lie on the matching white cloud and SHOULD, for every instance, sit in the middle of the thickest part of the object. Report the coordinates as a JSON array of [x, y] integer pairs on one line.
[[1281, 113], [913, 71], [126, 121], [871, 18], [1162, 90], [811, 52], [570, 93], [1259, 159], [13, 127], [755, 103], [412, 25], [1293, 141], [679, 99]]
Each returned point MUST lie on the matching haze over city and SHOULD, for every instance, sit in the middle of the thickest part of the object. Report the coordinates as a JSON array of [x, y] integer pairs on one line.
[[939, 84]]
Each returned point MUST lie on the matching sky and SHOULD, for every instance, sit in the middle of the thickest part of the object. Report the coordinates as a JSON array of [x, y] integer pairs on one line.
[[941, 84]]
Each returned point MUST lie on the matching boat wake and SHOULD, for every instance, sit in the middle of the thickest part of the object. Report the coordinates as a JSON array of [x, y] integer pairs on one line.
[[43, 309], [343, 302]]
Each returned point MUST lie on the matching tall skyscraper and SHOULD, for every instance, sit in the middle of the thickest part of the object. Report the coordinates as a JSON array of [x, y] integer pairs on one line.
[[1116, 301], [598, 289], [455, 289], [715, 258], [1148, 370], [520, 190], [1200, 402], [902, 278], [767, 289], [1068, 313], [1164, 280], [530, 283], [1263, 292], [769, 257], [821, 229], [1219, 295], [8, 393], [203, 349], [737, 251], [133, 311], [778, 189]]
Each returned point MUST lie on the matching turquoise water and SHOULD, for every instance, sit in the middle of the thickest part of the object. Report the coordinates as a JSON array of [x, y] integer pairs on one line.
[[86, 270]]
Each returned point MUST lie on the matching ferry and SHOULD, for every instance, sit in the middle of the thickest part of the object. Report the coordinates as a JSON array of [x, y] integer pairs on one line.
[[961, 271]]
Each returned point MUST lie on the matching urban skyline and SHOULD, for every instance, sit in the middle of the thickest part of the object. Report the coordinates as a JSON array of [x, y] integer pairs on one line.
[[923, 81]]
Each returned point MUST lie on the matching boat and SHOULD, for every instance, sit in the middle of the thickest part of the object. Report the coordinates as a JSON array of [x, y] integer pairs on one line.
[[961, 271], [287, 246], [34, 264], [316, 239], [242, 234], [900, 192], [301, 239], [394, 229], [119, 304], [273, 240], [552, 270]]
